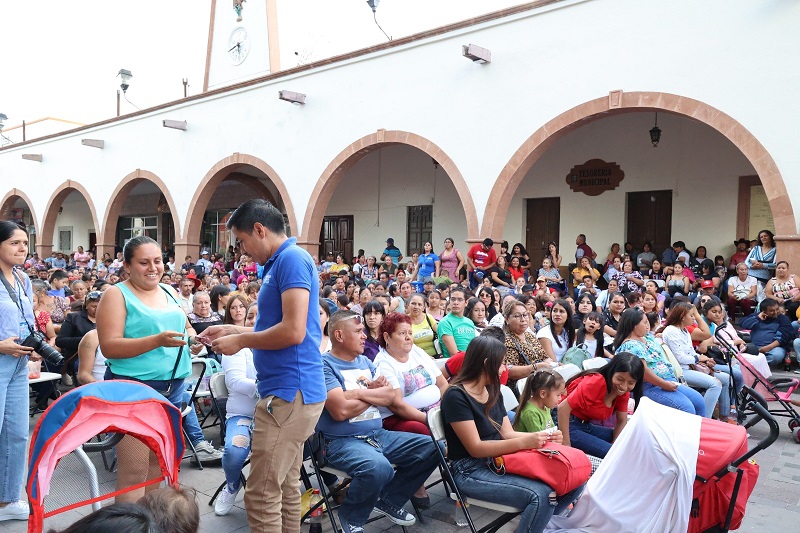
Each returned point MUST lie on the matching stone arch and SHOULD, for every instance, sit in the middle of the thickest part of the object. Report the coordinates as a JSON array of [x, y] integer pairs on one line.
[[45, 245], [8, 203], [216, 175], [333, 173], [114, 208], [537, 144]]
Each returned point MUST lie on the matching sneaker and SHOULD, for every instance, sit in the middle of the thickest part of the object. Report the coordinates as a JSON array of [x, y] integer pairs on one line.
[[206, 453], [17, 510], [225, 501], [348, 528], [400, 516]]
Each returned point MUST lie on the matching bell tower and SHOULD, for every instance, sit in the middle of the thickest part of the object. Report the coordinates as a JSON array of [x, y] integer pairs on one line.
[[242, 42]]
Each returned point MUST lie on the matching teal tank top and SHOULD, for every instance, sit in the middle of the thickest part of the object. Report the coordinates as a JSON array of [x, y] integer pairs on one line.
[[143, 321]]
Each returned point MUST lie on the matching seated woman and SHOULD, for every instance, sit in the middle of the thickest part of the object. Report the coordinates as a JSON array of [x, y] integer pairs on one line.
[[476, 311], [518, 251], [91, 363], [434, 301], [559, 335], [742, 289], [517, 272], [240, 379], [423, 327], [660, 383], [679, 341], [656, 271], [422, 383], [677, 283], [584, 268], [585, 305], [604, 298], [590, 336], [551, 275], [524, 353], [721, 328], [784, 289], [645, 258], [201, 318], [616, 306], [651, 287], [477, 427], [629, 280], [596, 395], [487, 297]]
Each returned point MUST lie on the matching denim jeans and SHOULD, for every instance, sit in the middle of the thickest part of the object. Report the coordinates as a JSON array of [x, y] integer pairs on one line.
[[590, 438], [775, 356], [716, 388], [684, 399], [475, 479], [371, 469], [13, 425], [238, 439]]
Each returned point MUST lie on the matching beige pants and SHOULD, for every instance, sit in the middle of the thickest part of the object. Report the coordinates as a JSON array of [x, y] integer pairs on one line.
[[272, 497]]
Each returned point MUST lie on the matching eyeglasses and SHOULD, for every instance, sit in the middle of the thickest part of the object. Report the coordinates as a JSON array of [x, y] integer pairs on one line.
[[94, 295], [519, 316]]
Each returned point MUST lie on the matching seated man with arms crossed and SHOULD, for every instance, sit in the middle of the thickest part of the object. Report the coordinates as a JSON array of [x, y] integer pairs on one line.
[[354, 440]]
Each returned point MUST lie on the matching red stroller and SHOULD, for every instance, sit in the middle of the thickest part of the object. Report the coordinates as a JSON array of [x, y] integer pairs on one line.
[[725, 476]]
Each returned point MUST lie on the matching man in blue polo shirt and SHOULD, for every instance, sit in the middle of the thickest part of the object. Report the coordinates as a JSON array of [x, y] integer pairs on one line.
[[285, 343]]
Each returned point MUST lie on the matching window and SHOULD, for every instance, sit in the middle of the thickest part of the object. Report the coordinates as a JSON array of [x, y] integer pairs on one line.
[[420, 228], [130, 227]]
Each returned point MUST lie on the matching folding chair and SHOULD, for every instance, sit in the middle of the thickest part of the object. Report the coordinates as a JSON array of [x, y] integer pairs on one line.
[[567, 371], [320, 464], [509, 398], [436, 426], [521, 385], [212, 368], [219, 398], [198, 370]]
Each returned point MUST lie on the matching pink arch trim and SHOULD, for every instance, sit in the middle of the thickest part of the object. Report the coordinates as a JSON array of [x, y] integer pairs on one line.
[[537, 144], [53, 205], [333, 173], [16, 193]]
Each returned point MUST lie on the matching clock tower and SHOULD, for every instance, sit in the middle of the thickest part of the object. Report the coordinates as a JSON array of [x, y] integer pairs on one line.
[[242, 42]]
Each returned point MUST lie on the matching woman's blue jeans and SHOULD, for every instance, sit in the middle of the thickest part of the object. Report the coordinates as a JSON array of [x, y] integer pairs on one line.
[[684, 399], [13, 425], [590, 438], [475, 479], [238, 439], [716, 388]]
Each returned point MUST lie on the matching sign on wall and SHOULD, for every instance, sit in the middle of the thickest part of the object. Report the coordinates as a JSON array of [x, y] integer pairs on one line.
[[594, 177]]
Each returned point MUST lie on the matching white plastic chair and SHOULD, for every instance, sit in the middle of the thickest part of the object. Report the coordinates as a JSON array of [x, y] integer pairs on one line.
[[567, 371], [521, 384], [595, 363], [509, 400]]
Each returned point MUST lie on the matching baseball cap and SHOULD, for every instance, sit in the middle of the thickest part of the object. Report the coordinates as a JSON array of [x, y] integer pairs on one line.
[[707, 284], [389, 241]]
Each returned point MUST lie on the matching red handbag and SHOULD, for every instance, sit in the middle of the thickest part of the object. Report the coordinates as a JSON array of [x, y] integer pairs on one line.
[[560, 467]]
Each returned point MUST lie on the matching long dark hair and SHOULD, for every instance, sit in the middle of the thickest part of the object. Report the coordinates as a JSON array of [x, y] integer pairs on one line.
[[471, 306], [538, 381], [483, 358], [629, 319], [622, 362], [771, 237], [569, 325], [7, 229], [580, 335], [216, 293], [491, 309], [578, 317], [677, 313]]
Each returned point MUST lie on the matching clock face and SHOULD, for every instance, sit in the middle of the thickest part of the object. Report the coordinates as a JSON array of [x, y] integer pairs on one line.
[[238, 45]]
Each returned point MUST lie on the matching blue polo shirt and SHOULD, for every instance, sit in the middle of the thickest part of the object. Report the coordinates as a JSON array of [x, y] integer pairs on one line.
[[283, 372]]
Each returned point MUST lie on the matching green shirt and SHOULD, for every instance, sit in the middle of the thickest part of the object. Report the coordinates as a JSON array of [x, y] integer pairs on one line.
[[533, 418], [462, 329]]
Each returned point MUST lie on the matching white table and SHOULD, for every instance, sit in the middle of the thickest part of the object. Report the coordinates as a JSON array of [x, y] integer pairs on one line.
[[46, 376]]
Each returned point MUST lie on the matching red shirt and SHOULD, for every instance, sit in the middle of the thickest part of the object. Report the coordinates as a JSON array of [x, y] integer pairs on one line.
[[482, 258], [454, 363], [586, 394]]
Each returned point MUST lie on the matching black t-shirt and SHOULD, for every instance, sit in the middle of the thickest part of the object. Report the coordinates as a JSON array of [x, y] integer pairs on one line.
[[503, 275], [458, 406]]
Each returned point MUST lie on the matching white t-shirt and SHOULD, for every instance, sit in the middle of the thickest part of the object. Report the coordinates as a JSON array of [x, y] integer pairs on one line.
[[545, 333], [99, 368], [742, 288], [416, 378]]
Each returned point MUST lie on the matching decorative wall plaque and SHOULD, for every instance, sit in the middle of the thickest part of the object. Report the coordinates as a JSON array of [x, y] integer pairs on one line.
[[595, 177]]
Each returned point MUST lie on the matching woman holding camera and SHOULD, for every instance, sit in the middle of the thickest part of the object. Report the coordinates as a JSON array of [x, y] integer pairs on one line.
[[16, 308], [143, 334]]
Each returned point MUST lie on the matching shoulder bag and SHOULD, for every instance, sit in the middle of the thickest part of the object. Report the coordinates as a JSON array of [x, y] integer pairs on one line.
[[437, 345], [560, 467]]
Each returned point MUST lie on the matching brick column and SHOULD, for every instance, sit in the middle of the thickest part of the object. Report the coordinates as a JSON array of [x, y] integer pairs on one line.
[[789, 250], [182, 249]]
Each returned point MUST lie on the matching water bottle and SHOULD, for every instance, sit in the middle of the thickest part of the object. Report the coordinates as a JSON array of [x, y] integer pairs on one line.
[[316, 515], [459, 516]]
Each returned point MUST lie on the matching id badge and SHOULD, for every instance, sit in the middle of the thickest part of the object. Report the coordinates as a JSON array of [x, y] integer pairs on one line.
[[23, 331]]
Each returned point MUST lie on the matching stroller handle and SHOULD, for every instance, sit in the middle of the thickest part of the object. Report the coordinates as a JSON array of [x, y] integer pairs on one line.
[[757, 402]]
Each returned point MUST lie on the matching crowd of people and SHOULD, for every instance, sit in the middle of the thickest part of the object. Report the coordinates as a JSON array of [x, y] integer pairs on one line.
[[348, 349]]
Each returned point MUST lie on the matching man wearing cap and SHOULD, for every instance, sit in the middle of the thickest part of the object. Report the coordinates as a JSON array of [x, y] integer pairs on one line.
[[392, 251], [706, 289], [480, 258], [204, 262]]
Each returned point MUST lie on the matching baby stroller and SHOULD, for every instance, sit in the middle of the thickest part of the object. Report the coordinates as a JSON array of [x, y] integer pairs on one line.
[[767, 391], [725, 476]]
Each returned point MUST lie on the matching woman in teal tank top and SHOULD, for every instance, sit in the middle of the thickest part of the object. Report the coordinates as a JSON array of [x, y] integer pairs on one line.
[[143, 334]]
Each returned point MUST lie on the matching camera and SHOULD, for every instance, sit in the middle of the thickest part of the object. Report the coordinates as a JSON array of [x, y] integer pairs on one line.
[[38, 342]]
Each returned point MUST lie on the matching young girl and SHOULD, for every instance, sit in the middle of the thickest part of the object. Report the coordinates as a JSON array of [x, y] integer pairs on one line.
[[542, 392], [590, 334], [596, 395]]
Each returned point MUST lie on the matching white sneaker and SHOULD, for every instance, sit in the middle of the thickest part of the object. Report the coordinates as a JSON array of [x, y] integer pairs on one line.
[[225, 501], [17, 510], [206, 452]]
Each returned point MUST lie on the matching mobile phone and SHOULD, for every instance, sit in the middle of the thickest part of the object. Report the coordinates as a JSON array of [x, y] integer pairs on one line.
[[205, 342]]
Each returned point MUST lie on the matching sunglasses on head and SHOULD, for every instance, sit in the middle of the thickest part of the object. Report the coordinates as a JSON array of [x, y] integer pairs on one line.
[[94, 295]]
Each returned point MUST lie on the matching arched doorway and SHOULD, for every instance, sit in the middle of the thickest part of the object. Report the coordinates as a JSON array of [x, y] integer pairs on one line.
[[691, 112], [70, 220], [17, 206], [140, 205], [390, 184], [228, 184]]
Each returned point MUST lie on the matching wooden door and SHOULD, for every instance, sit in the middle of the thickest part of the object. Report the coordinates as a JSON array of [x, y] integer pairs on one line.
[[650, 219], [542, 227], [336, 236], [420, 228]]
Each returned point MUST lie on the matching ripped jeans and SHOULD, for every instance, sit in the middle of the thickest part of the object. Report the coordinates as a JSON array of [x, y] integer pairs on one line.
[[238, 438]]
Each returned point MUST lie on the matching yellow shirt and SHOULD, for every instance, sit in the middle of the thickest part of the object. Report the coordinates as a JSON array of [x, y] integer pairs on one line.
[[423, 335]]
